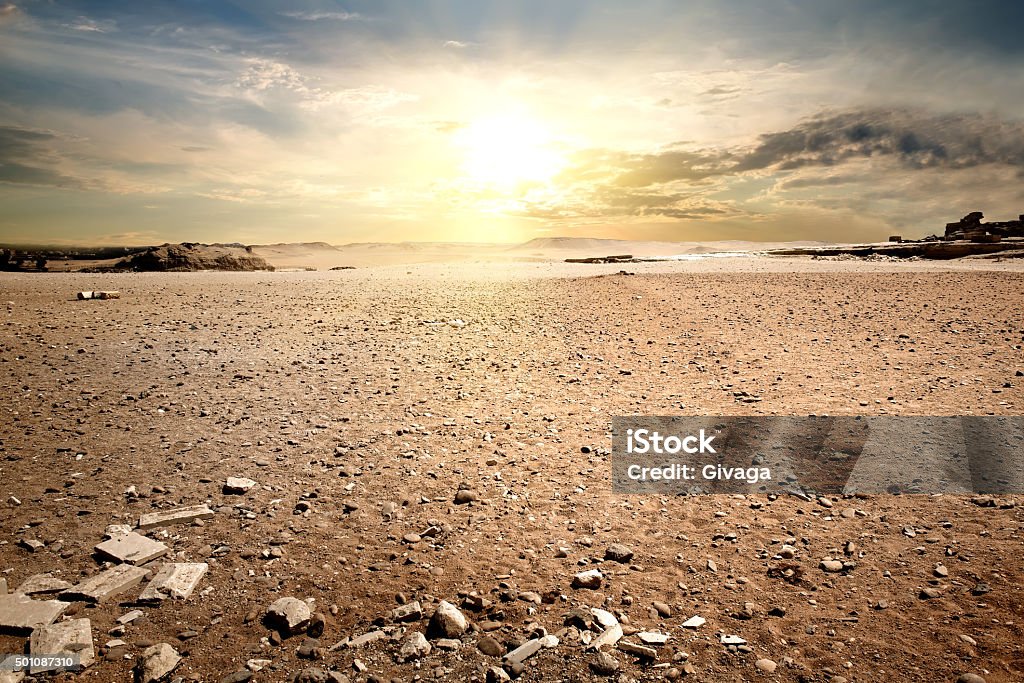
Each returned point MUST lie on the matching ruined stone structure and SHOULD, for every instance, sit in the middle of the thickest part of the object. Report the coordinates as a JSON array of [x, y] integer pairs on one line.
[[971, 228]]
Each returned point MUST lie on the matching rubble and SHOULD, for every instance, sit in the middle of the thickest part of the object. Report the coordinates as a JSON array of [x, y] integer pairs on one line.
[[72, 637], [107, 583], [176, 516], [238, 485], [288, 615], [132, 548], [174, 580], [415, 646], [448, 621], [589, 579], [155, 662], [42, 584], [20, 614]]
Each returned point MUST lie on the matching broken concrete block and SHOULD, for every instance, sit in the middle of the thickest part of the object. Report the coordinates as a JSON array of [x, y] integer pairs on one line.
[[32, 545], [68, 638], [408, 612], [155, 662], [288, 615], [20, 614], [132, 549], [609, 636], [40, 584], [113, 530], [524, 651], [175, 516], [130, 617], [107, 583], [174, 580], [8, 674], [238, 485]]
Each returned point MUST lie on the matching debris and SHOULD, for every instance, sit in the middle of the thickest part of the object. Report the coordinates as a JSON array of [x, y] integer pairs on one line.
[[617, 552], [238, 485], [408, 612], [653, 637], [107, 294], [766, 665], [603, 664], [155, 662], [694, 622], [41, 584], [448, 621], [71, 637], [464, 496], [589, 579], [414, 647], [175, 516], [288, 615], [110, 582], [130, 617], [732, 640], [174, 580], [132, 548], [609, 636], [20, 614], [641, 651]]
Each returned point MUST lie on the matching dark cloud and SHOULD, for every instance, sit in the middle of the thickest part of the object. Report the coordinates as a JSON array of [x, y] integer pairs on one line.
[[24, 154], [915, 139]]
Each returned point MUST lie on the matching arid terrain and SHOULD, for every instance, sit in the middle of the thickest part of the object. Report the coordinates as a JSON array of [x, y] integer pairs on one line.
[[361, 402]]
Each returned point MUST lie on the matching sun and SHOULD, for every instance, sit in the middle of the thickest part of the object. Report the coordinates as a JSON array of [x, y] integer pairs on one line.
[[504, 152]]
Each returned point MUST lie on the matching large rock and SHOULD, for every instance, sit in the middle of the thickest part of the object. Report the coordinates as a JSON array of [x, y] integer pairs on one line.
[[189, 256], [415, 646], [448, 621], [67, 638], [288, 615], [155, 662], [20, 614]]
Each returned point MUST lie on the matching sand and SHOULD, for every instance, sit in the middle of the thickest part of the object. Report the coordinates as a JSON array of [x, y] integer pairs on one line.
[[360, 418]]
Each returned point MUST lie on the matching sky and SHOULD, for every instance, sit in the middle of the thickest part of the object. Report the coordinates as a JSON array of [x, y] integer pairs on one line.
[[482, 121]]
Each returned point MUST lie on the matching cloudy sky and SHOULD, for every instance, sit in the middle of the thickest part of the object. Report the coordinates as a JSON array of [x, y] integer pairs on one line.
[[204, 120]]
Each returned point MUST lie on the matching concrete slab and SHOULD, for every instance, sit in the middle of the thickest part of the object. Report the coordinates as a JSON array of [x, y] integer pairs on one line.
[[132, 549], [72, 637], [40, 584], [175, 516], [20, 614], [107, 583], [175, 580]]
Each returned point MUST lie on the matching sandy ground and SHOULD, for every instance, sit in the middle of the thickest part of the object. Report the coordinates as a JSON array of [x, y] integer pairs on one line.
[[360, 420]]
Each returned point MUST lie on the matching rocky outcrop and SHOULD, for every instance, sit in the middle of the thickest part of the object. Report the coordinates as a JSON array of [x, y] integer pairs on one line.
[[970, 227], [190, 256]]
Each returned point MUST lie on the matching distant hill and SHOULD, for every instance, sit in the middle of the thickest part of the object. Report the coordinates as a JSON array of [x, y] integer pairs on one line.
[[190, 257]]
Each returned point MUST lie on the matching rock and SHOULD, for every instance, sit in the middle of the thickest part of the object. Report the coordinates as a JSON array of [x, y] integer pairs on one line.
[[311, 675], [241, 676], [129, 617], [31, 545], [497, 675], [617, 552], [603, 664], [175, 516], [766, 665], [464, 496], [727, 639], [662, 609], [524, 651], [288, 615], [107, 583], [694, 622], [653, 637], [174, 580], [415, 646], [641, 651], [970, 678], [132, 548], [238, 485], [605, 618], [448, 621], [156, 662], [41, 584], [940, 571], [407, 613], [490, 646], [317, 625], [590, 579], [71, 637], [929, 593], [609, 637], [366, 639], [831, 566], [191, 257], [309, 649]]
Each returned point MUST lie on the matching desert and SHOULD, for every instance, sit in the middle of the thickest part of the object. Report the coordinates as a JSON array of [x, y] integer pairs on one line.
[[327, 442]]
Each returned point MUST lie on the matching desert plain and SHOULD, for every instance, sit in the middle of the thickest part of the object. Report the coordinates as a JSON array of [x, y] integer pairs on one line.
[[429, 433]]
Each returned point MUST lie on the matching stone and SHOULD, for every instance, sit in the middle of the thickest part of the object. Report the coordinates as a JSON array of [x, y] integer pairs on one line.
[[175, 580], [694, 622], [130, 617], [940, 571], [603, 664], [464, 496], [110, 582], [831, 566], [929, 593], [238, 485], [288, 615], [41, 584], [450, 644], [175, 516], [155, 662], [603, 617], [970, 678], [366, 638], [448, 621], [653, 637], [617, 552], [20, 614], [662, 609], [72, 637], [317, 625], [309, 649], [524, 651], [766, 665], [496, 674], [415, 646], [3, 586], [490, 646], [590, 579], [31, 545], [727, 639], [609, 637], [241, 676], [641, 651], [132, 548], [412, 611]]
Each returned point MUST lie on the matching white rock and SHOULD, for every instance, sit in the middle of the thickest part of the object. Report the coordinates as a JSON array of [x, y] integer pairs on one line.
[[448, 621]]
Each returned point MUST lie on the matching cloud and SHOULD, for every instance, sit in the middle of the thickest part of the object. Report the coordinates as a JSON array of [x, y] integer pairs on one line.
[[87, 25], [321, 16], [25, 158], [8, 12], [456, 44]]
